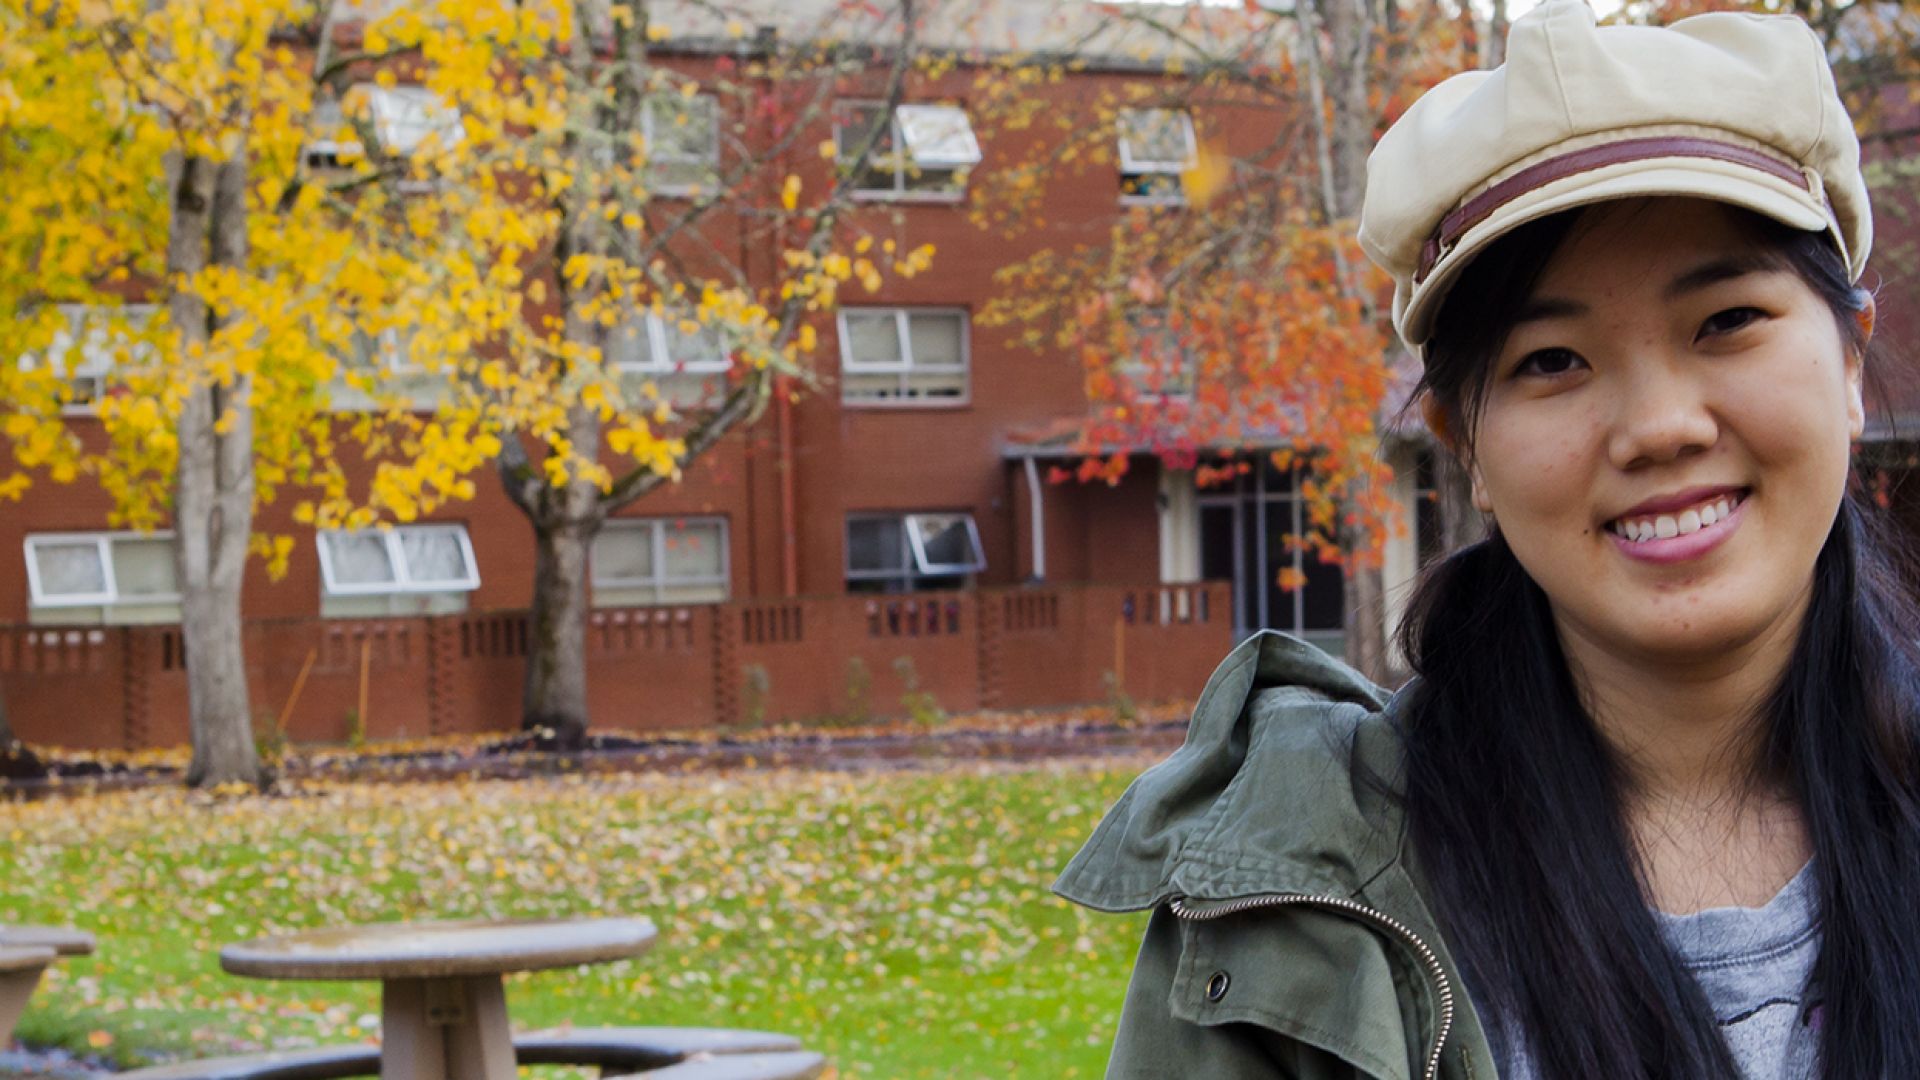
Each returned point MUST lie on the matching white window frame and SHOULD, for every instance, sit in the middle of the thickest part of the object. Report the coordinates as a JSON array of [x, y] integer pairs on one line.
[[394, 108], [390, 349], [96, 362], [905, 366], [904, 159], [1136, 371], [937, 136], [329, 115], [711, 158], [663, 362], [659, 527], [917, 541], [396, 558], [913, 538], [103, 542], [1130, 165]]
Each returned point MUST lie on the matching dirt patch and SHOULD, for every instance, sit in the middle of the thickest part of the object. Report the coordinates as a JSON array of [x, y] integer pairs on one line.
[[19, 763], [1011, 739]]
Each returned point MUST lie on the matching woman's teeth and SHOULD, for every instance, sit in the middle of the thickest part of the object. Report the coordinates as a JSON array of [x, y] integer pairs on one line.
[[1662, 526]]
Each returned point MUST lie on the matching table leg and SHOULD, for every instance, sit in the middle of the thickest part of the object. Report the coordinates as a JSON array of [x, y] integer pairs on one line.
[[16, 987], [445, 1029]]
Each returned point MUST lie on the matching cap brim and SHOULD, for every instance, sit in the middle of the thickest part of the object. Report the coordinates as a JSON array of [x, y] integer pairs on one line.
[[1744, 187]]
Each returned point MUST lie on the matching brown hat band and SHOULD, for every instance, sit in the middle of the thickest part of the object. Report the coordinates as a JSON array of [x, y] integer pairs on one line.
[[1481, 206]]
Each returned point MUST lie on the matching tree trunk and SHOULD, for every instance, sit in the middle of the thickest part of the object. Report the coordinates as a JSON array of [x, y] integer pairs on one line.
[[213, 483], [567, 516], [1461, 522], [555, 695], [565, 520], [7, 738], [1349, 30], [1494, 45], [1364, 594]]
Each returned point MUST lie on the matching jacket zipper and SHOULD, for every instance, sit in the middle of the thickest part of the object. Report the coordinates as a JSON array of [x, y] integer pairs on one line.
[[1183, 909]]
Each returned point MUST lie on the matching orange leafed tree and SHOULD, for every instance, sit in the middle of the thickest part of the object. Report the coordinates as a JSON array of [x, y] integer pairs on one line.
[[1227, 311]]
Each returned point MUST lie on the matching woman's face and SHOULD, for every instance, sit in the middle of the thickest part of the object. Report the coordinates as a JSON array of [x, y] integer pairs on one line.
[[1665, 440]]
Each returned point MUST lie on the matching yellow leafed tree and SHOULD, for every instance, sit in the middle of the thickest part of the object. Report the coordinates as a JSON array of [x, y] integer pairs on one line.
[[450, 233], [605, 233], [161, 266]]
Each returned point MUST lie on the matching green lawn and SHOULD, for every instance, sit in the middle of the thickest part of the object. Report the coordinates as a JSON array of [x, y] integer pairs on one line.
[[899, 922]]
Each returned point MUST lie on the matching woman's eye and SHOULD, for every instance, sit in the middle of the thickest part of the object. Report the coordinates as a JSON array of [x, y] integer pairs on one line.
[[1722, 322], [1549, 362]]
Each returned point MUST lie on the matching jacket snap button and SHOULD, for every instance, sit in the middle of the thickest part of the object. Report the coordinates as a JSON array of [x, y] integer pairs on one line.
[[1217, 987]]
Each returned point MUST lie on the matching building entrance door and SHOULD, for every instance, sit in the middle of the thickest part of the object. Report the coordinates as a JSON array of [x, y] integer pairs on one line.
[[1248, 534]]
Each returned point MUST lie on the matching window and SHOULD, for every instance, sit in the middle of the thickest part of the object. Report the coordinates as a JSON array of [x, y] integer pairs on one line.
[[333, 143], [1159, 365], [401, 570], [652, 344], [389, 350], [1156, 146], [911, 552], [919, 151], [1248, 531], [95, 341], [903, 356], [639, 561], [91, 578], [379, 369], [683, 142], [405, 118]]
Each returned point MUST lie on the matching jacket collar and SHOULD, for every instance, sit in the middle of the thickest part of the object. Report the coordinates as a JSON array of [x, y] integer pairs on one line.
[[1282, 785]]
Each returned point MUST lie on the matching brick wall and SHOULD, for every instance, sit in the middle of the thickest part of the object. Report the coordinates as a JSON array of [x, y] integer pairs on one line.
[[649, 669]]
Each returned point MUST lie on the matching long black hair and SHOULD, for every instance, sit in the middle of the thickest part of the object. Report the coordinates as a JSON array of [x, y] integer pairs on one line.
[[1516, 801]]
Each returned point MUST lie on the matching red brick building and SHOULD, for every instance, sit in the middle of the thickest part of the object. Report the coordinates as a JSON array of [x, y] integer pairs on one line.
[[890, 535]]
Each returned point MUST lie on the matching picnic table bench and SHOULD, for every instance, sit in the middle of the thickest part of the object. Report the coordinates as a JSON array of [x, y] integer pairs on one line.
[[650, 1052]]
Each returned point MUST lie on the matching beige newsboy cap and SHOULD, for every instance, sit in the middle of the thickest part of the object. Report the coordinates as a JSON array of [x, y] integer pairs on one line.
[[1734, 107]]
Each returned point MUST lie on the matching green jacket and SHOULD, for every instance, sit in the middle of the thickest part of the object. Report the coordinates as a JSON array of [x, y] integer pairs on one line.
[[1290, 936]]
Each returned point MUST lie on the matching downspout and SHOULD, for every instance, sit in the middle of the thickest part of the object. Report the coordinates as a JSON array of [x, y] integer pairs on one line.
[[789, 540], [1037, 510], [782, 385]]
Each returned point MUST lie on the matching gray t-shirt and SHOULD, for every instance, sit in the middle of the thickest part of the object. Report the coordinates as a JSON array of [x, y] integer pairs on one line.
[[1756, 966]]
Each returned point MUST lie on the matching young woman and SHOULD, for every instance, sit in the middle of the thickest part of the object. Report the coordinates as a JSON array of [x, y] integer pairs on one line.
[[1651, 806]]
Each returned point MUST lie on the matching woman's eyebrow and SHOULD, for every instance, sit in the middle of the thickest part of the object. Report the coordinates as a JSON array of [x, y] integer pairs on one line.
[[1548, 307], [1715, 272]]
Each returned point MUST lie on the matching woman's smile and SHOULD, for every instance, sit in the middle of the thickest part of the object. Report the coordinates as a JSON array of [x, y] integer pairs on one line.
[[1680, 528]]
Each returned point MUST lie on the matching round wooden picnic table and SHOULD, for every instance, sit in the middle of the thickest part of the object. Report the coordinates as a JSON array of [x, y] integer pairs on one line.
[[64, 941], [443, 1005]]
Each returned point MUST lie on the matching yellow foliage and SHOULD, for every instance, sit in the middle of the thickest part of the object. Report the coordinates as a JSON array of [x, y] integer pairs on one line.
[[397, 305]]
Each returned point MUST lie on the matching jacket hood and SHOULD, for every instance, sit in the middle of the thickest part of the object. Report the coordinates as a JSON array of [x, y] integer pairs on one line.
[[1283, 784]]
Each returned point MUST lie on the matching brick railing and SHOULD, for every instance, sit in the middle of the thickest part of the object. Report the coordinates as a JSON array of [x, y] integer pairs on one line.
[[648, 668]]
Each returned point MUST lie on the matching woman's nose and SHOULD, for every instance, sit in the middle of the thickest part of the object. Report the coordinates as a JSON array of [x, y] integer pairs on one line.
[[1661, 415]]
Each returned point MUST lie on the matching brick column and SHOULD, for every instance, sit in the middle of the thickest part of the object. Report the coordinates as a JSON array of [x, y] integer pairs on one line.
[[135, 650], [443, 655], [989, 622], [726, 663]]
